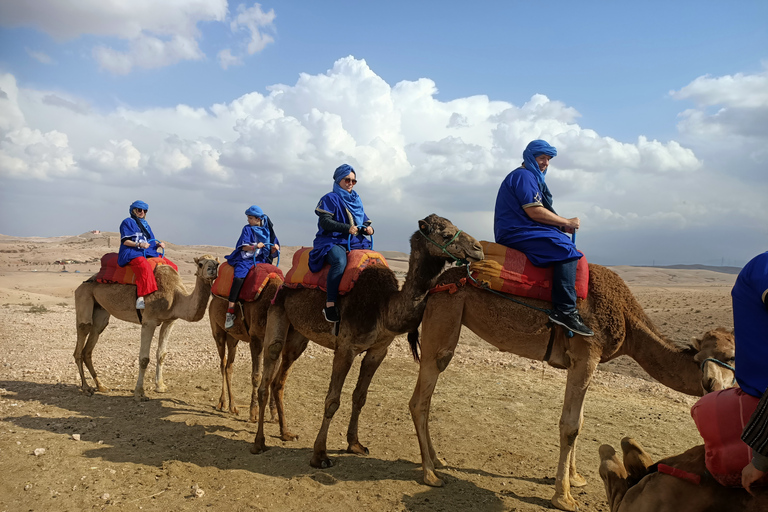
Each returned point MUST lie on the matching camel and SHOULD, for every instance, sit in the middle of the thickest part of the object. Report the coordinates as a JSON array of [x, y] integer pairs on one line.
[[250, 326], [637, 486], [621, 328], [96, 302], [372, 314]]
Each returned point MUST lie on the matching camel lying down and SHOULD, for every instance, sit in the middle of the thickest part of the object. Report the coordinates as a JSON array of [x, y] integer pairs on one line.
[[638, 485]]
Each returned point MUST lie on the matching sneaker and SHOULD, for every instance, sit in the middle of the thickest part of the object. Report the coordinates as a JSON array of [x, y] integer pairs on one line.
[[140, 303], [571, 321], [230, 321], [332, 314]]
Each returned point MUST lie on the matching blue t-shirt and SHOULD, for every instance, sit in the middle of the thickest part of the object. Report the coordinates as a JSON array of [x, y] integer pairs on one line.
[[512, 227], [332, 203], [129, 230], [750, 322]]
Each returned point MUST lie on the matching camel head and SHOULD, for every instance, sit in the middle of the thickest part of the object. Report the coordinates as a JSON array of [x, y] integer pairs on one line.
[[441, 239], [207, 267], [716, 354]]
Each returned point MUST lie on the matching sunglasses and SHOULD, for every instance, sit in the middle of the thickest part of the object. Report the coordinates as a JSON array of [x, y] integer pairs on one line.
[[140, 210], [350, 180]]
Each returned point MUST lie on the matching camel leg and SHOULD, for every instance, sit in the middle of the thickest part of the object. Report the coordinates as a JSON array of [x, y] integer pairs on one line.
[[583, 365], [577, 480], [371, 362], [87, 337], [147, 332], [296, 345], [256, 346], [439, 340], [220, 337], [275, 339], [230, 349], [342, 362], [162, 351]]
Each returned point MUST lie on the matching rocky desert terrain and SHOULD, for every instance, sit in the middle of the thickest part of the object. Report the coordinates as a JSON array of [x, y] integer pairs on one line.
[[494, 416]]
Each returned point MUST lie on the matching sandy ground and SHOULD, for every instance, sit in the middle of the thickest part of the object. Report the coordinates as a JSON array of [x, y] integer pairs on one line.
[[494, 416]]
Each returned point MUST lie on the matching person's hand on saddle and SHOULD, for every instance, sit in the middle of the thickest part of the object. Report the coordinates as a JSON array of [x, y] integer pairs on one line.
[[572, 226]]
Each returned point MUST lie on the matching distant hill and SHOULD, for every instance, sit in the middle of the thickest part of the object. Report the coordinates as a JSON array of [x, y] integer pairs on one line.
[[712, 268]]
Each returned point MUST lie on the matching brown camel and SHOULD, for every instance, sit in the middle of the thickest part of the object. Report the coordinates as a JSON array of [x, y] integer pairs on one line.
[[372, 314], [96, 302], [621, 328], [636, 485], [250, 325]]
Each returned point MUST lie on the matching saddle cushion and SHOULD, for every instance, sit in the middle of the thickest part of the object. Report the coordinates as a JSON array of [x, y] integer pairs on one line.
[[112, 273], [509, 271], [721, 417], [257, 278], [357, 260]]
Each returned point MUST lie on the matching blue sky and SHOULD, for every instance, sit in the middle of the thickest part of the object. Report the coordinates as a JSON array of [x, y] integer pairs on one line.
[[659, 111]]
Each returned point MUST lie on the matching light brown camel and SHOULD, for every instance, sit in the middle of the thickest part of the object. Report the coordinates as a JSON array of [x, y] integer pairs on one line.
[[372, 314], [96, 302], [250, 325], [636, 485], [621, 328]]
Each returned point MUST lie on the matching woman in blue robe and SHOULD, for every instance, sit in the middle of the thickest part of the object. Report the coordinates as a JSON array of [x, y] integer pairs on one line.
[[340, 214], [525, 220], [257, 244]]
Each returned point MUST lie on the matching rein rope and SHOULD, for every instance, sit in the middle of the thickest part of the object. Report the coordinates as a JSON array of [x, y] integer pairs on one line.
[[719, 363], [456, 261]]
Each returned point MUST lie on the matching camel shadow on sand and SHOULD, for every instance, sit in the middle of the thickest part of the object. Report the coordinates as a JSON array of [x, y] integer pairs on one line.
[[156, 432]]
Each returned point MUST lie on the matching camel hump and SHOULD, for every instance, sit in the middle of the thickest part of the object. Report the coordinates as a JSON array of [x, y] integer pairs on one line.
[[357, 260], [507, 270]]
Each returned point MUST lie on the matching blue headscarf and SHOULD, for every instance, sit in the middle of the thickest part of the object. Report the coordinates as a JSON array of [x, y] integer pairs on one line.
[[143, 225], [534, 149], [351, 199], [261, 232]]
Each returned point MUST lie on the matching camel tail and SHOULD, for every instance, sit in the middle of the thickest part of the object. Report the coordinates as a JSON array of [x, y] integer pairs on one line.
[[413, 341]]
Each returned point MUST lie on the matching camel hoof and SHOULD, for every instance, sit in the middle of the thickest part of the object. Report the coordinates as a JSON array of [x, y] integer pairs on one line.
[[287, 436], [431, 479], [257, 448], [235, 411], [576, 480], [322, 463], [438, 463], [88, 391], [565, 503], [102, 389], [358, 448], [161, 389]]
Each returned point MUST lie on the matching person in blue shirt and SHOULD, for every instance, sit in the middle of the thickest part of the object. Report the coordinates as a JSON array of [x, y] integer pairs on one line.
[[525, 220], [257, 244], [340, 214], [137, 243], [749, 297]]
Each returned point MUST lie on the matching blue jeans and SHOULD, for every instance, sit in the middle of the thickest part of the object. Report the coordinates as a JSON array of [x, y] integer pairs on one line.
[[564, 286], [337, 259]]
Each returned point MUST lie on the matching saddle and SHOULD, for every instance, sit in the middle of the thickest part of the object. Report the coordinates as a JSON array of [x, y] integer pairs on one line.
[[510, 271], [257, 278], [357, 260], [112, 273]]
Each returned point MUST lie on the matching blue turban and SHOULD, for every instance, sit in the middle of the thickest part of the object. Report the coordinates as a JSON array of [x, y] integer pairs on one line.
[[534, 149], [342, 172], [138, 204], [254, 211]]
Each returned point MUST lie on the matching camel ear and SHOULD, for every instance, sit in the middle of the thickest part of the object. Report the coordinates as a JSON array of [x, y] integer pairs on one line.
[[424, 227], [197, 261]]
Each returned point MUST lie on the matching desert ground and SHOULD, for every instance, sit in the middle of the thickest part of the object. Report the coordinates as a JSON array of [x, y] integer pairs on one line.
[[494, 417]]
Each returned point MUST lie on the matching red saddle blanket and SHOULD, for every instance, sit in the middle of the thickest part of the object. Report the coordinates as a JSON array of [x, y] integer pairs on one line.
[[257, 278], [111, 273], [509, 271], [357, 260], [721, 417]]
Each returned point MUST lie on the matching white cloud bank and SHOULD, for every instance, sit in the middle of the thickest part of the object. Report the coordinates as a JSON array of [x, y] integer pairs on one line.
[[639, 200], [150, 34]]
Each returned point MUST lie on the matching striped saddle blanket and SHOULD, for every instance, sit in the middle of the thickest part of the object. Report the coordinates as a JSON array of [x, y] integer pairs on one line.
[[357, 260], [254, 283], [111, 273], [509, 271]]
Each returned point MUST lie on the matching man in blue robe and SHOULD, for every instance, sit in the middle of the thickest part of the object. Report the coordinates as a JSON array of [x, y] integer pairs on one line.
[[525, 220]]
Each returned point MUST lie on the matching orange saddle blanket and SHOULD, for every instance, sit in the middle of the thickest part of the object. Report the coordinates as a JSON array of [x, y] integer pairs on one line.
[[357, 260], [111, 273], [509, 271], [720, 417], [257, 278]]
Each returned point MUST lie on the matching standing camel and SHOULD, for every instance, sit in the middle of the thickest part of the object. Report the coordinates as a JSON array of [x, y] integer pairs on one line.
[[621, 328], [638, 486], [250, 326], [373, 313], [96, 302]]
